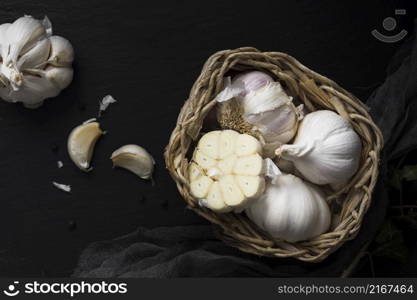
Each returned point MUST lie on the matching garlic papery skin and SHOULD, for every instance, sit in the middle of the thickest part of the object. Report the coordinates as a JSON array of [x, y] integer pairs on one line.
[[326, 149], [267, 111], [81, 143], [135, 159], [28, 50], [243, 84], [252, 80], [62, 52], [290, 209]]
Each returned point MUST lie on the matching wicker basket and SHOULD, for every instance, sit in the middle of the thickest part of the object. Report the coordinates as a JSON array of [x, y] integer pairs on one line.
[[316, 92]]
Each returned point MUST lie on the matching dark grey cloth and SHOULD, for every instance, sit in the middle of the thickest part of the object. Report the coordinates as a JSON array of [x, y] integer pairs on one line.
[[193, 251], [394, 104]]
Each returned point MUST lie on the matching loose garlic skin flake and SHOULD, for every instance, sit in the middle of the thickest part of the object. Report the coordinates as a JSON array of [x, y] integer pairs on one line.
[[135, 159], [34, 65], [227, 171], [81, 143]]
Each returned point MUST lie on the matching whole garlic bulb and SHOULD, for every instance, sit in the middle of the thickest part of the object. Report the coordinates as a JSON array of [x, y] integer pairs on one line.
[[290, 209], [271, 111], [259, 106], [326, 149], [34, 65]]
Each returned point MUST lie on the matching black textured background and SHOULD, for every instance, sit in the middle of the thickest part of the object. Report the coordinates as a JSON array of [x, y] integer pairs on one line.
[[147, 55]]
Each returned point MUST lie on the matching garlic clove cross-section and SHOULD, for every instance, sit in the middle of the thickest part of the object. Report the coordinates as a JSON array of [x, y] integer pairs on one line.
[[135, 159], [226, 171], [81, 142]]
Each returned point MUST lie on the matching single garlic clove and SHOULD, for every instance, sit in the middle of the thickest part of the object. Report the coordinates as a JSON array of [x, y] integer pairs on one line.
[[200, 187], [215, 199], [36, 56], [81, 142], [194, 171], [209, 144], [252, 165], [204, 160], [247, 144], [61, 77], [232, 193], [62, 52], [135, 159], [21, 36]]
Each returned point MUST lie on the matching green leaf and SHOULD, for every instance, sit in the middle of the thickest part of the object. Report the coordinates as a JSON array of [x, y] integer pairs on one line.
[[390, 242], [395, 179], [409, 173], [388, 233]]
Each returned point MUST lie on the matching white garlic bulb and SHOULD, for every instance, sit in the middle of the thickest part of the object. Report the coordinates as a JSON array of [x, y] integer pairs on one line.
[[226, 173], [326, 149], [34, 65], [265, 108], [271, 111], [290, 209]]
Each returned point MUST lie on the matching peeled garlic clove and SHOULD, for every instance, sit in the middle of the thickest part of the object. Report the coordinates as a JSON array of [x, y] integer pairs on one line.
[[227, 143], [135, 159], [252, 165], [227, 165], [204, 160], [209, 144], [232, 193], [200, 187], [194, 171], [247, 144], [251, 186], [215, 200], [81, 142], [62, 52]]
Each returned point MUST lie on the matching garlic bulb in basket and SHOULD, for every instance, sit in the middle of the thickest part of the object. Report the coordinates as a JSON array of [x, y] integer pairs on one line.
[[326, 149], [34, 65], [227, 171], [290, 209], [254, 104]]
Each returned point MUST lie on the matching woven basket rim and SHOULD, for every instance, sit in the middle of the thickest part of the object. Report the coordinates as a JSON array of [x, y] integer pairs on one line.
[[314, 91]]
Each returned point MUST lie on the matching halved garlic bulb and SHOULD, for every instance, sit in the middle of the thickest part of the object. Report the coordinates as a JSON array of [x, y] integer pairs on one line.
[[227, 171], [81, 142], [135, 159]]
